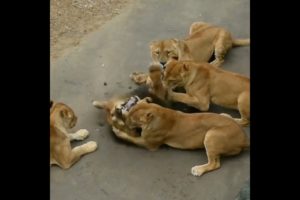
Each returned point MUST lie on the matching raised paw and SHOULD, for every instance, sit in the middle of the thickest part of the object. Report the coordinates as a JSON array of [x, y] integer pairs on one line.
[[81, 134], [197, 170], [138, 77], [90, 146]]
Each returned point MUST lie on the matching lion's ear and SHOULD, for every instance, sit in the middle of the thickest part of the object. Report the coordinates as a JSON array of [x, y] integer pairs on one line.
[[152, 43], [63, 113], [51, 103], [182, 45], [175, 40], [185, 67], [147, 117], [147, 100]]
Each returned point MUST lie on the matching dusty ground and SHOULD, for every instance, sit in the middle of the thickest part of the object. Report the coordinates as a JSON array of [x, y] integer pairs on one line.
[[70, 20]]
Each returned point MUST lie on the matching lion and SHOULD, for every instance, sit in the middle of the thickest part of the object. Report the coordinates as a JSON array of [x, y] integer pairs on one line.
[[219, 135], [203, 42], [205, 83], [62, 117]]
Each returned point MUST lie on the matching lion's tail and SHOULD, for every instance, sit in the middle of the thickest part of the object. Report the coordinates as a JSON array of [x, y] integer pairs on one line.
[[241, 42]]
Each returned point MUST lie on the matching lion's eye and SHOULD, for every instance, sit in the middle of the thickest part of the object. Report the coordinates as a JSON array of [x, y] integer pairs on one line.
[[168, 52], [157, 52]]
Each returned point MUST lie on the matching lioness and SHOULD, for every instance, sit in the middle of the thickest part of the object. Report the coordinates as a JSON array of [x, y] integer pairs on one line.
[[218, 134], [205, 83], [204, 41], [62, 118]]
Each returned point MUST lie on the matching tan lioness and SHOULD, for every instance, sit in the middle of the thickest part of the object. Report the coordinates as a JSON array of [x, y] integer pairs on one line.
[[205, 83], [219, 135], [204, 41], [62, 118]]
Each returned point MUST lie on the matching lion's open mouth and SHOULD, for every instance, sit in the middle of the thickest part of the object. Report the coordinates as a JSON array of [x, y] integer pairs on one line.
[[138, 131], [127, 105]]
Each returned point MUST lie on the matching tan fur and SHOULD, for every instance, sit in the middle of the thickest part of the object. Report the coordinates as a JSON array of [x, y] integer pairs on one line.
[[203, 41], [62, 118], [205, 83], [218, 134]]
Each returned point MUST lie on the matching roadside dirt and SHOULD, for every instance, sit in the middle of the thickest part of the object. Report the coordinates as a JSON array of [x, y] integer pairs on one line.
[[70, 20]]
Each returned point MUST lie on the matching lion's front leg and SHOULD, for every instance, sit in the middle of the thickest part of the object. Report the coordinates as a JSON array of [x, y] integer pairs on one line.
[[140, 141], [79, 135], [201, 103]]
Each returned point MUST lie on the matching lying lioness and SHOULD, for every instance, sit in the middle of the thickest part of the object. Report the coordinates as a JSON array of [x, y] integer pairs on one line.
[[62, 118], [204, 41], [205, 83], [218, 134], [115, 109]]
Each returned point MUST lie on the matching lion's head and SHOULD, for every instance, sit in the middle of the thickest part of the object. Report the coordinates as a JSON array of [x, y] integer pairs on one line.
[[62, 114], [164, 50], [175, 74]]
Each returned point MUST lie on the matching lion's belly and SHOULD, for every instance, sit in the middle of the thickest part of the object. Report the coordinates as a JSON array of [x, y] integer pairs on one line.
[[228, 101], [186, 145], [187, 140]]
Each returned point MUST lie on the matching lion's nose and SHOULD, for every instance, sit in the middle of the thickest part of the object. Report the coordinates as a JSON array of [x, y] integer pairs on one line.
[[162, 63]]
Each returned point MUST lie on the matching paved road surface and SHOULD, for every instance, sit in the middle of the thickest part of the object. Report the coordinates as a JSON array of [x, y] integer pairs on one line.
[[120, 171]]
